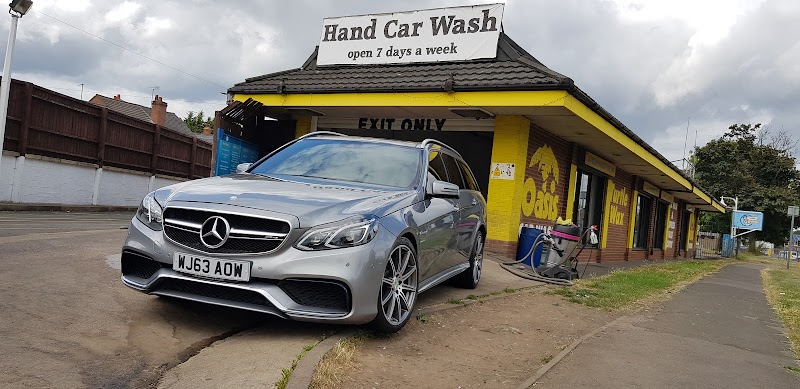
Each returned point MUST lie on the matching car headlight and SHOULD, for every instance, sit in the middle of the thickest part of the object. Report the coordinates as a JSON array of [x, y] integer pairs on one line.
[[347, 234], [150, 212]]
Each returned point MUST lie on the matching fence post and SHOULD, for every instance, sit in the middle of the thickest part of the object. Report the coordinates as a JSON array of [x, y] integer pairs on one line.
[[101, 137], [193, 158], [27, 99], [156, 143]]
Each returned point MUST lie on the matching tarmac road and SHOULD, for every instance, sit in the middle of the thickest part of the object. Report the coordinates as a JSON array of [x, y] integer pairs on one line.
[[24, 223], [68, 321], [717, 333]]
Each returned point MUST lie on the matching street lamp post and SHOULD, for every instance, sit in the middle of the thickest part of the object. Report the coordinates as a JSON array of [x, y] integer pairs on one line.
[[734, 209], [17, 9]]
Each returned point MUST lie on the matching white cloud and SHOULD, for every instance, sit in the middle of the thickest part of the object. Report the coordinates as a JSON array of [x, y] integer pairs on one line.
[[123, 11], [152, 26], [651, 63]]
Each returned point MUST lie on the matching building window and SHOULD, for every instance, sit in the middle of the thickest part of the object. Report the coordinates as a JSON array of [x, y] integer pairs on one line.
[[661, 224], [588, 209], [641, 229], [685, 229]]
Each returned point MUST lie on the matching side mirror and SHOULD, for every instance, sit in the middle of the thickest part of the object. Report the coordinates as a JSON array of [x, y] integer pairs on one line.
[[443, 189], [242, 167]]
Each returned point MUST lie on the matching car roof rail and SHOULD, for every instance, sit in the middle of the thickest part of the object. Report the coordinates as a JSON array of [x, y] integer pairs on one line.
[[430, 141], [320, 133]]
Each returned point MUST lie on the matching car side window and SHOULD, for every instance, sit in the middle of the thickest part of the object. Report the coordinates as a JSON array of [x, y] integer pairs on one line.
[[468, 178], [436, 165], [453, 171]]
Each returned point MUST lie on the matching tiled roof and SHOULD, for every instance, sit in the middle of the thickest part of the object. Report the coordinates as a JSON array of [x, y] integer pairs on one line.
[[172, 121], [512, 69]]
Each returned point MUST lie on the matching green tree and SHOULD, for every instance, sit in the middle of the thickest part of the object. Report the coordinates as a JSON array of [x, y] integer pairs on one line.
[[763, 176], [196, 122]]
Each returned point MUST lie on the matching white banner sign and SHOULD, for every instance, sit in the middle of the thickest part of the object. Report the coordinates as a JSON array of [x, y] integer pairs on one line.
[[444, 34]]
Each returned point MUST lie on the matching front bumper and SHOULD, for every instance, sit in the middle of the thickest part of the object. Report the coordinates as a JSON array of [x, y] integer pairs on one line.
[[288, 282]]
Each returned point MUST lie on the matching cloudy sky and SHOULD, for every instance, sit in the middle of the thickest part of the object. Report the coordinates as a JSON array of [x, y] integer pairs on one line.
[[654, 64]]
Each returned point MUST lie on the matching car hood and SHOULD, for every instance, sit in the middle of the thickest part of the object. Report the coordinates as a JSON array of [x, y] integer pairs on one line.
[[312, 201]]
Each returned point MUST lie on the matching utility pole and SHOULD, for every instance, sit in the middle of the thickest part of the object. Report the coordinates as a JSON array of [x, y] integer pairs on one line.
[[733, 214]]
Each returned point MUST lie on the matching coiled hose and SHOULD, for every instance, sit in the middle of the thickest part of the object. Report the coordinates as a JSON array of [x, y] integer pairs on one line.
[[533, 275]]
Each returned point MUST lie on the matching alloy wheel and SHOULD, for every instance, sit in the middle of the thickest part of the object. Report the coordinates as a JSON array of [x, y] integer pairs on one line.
[[399, 285], [477, 267]]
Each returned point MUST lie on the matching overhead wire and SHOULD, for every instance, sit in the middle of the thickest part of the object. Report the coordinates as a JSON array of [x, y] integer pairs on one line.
[[127, 95]]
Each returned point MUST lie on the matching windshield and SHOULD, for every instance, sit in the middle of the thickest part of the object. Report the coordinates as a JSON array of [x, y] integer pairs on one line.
[[345, 160]]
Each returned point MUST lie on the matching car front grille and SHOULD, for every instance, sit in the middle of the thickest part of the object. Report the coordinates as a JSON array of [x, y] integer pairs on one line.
[[317, 293], [202, 289], [248, 234], [138, 265]]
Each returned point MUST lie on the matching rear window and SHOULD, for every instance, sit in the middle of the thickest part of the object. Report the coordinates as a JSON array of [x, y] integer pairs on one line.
[[346, 160], [453, 171]]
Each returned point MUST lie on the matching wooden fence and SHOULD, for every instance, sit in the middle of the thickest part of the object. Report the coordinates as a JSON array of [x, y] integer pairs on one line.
[[48, 123]]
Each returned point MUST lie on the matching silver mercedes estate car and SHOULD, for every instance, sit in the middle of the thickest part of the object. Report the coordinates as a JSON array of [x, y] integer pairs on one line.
[[327, 228]]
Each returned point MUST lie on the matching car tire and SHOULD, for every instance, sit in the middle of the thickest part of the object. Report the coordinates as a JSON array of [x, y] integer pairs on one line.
[[398, 289], [469, 278]]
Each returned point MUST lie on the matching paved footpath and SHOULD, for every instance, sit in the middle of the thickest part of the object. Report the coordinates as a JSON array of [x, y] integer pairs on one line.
[[718, 333]]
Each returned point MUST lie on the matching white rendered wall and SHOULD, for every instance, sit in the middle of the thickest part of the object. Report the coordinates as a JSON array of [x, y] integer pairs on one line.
[[34, 179], [56, 183], [121, 188], [6, 176]]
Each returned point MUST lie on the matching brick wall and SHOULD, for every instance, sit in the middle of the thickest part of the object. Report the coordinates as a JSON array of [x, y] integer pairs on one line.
[[617, 216], [541, 191], [546, 179]]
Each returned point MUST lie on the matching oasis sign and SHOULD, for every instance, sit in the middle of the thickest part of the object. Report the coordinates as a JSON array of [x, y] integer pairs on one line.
[[748, 220], [444, 34]]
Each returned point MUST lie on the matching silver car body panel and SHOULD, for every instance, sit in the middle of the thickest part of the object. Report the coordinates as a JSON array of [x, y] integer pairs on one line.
[[440, 229]]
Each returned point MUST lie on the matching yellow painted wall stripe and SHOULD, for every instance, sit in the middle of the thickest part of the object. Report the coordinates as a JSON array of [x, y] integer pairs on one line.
[[632, 217], [585, 113], [606, 214], [473, 99], [699, 193], [414, 99], [573, 175]]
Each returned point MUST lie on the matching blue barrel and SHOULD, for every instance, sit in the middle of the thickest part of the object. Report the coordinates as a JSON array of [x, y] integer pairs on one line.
[[526, 240]]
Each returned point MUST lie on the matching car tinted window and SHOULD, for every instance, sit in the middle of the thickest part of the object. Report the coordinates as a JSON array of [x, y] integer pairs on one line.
[[345, 160], [468, 178], [453, 172], [436, 165]]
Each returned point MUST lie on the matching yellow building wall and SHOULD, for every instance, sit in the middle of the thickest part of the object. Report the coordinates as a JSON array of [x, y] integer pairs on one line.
[[510, 145]]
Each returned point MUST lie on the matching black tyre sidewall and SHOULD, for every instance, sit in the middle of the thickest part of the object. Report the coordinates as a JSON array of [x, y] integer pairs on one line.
[[465, 279]]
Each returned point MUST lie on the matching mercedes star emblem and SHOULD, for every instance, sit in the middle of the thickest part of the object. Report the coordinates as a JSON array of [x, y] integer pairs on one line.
[[214, 232]]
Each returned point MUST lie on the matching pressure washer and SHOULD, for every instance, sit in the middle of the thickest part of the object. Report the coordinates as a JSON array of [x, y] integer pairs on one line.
[[558, 261]]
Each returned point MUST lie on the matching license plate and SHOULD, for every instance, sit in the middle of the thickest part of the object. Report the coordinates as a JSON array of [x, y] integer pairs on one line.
[[225, 269]]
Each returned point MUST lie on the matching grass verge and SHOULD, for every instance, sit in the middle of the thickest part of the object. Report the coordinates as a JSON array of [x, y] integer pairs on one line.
[[623, 288], [783, 292], [337, 361]]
